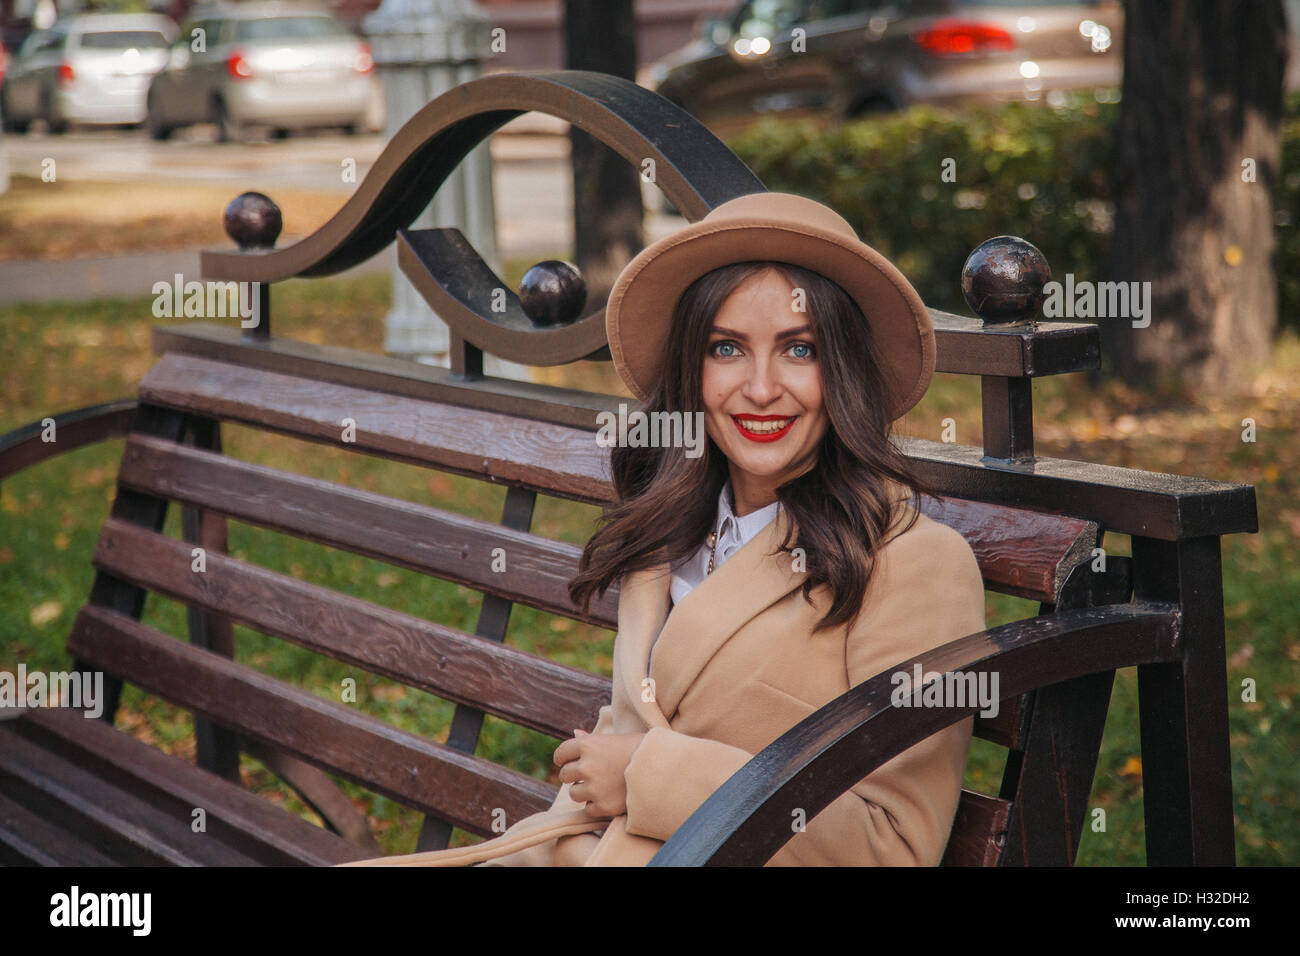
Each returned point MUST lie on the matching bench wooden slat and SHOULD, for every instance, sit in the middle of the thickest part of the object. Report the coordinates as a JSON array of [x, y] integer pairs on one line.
[[457, 787], [1025, 553], [1021, 552], [486, 675], [240, 819], [410, 535], [1007, 728], [979, 830], [553, 459], [441, 660], [28, 839], [118, 824]]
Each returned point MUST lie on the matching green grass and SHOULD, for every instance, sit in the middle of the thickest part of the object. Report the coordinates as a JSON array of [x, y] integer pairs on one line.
[[59, 357]]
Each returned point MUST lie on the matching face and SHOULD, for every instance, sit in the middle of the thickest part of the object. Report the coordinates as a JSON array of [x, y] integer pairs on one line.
[[762, 387]]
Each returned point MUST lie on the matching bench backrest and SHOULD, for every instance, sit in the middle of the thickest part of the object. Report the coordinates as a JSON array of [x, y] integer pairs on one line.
[[1021, 552]]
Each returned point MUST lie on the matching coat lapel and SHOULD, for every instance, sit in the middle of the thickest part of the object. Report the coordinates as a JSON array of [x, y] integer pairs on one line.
[[750, 581], [642, 609], [685, 639]]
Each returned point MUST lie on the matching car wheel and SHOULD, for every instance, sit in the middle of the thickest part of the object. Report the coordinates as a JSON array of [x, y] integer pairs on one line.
[[228, 131], [55, 123], [157, 129], [11, 123]]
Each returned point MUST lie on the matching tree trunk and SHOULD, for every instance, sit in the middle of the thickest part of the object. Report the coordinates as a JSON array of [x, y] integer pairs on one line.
[[601, 35], [1198, 155]]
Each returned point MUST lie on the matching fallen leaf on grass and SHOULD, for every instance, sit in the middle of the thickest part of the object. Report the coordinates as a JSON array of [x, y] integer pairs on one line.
[[1242, 657], [42, 614], [1132, 768]]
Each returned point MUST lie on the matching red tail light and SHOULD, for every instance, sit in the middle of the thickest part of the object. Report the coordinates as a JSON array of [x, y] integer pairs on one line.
[[237, 66], [66, 75], [954, 37], [365, 61]]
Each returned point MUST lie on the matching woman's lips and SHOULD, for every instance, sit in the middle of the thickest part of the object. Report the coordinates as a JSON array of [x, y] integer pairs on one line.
[[764, 427]]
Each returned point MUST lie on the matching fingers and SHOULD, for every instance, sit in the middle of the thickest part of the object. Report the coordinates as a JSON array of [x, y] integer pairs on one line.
[[570, 749], [567, 751], [571, 773]]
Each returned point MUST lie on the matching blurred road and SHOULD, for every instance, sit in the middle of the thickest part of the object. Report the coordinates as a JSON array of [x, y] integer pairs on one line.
[[531, 175]]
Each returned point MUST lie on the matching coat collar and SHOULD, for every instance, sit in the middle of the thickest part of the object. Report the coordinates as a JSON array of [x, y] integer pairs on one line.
[[749, 582]]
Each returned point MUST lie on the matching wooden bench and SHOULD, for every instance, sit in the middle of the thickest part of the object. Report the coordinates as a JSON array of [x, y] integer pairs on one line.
[[75, 790]]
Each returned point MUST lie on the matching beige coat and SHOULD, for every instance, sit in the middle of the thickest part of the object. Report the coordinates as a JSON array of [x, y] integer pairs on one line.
[[734, 666]]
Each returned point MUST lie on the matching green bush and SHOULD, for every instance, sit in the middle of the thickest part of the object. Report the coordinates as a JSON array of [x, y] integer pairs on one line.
[[1033, 171]]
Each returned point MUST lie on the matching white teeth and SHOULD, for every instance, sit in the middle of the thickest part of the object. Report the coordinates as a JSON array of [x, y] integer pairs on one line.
[[764, 428]]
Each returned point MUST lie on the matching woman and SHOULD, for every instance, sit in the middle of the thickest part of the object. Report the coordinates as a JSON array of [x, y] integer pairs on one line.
[[767, 576]]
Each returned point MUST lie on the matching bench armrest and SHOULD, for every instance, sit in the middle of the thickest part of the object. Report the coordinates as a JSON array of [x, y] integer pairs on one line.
[[747, 820], [22, 447]]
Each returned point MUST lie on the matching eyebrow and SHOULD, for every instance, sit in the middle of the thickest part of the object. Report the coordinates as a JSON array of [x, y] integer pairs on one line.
[[787, 334]]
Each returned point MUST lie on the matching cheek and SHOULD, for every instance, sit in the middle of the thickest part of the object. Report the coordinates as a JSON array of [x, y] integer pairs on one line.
[[715, 386], [809, 390]]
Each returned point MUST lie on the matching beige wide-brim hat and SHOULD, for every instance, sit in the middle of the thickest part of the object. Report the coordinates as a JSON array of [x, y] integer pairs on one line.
[[779, 227]]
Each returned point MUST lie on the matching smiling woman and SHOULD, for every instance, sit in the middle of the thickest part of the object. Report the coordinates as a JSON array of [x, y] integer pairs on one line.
[[766, 576]]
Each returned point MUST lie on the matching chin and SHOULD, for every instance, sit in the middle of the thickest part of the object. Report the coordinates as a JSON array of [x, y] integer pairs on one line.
[[763, 467]]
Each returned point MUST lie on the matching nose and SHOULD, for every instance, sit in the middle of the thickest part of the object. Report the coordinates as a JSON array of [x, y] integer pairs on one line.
[[763, 386]]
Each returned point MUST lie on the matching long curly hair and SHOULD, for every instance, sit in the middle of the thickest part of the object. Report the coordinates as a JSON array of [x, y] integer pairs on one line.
[[841, 509]]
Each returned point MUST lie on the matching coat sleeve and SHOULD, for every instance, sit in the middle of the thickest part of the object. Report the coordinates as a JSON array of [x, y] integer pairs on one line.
[[929, 592], [571, 850]]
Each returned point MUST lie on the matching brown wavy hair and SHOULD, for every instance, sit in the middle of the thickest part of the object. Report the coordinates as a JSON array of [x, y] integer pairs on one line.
[[841, 508]]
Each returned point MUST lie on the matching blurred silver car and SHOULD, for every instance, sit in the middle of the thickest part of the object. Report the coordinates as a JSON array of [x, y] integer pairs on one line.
[[844, 58], [269, 64], [92, 69]]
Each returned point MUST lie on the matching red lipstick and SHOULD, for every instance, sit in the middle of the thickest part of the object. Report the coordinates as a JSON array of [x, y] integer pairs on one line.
[[766, 436]]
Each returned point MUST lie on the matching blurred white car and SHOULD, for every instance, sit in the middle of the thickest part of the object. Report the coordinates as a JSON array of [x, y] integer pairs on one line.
[[267, 64], [92, 69]]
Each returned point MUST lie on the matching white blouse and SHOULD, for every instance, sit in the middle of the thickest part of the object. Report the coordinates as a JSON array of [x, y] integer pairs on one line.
[[733, 532]]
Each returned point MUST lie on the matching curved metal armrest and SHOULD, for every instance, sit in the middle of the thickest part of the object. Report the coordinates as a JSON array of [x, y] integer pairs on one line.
[[22, 447], [747, 820]]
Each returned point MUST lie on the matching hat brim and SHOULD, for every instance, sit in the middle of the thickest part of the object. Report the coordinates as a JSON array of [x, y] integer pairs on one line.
[[643, 299]]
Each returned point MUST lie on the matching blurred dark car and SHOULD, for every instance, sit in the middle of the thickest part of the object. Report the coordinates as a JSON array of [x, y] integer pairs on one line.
[[848, 57], [93, 69], [282, 65]]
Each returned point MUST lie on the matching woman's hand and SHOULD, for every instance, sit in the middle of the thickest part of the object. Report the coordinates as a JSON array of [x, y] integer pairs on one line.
[[593, 765]]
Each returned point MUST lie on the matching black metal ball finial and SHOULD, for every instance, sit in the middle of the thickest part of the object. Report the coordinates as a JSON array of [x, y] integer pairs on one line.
[[1003, 280], [253, 221], [553, 292]]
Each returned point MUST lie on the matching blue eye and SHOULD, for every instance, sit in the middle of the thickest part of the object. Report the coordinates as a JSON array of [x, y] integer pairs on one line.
[[807, 350], [719, 346]]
